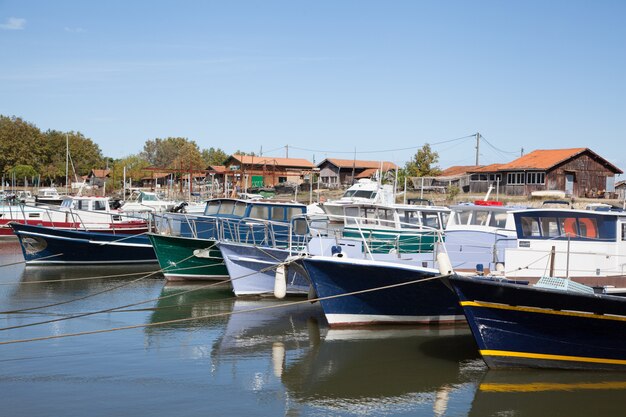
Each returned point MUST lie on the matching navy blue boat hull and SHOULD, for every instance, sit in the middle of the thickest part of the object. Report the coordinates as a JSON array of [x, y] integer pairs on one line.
[[524, 326], [48, 246], [424, 302]]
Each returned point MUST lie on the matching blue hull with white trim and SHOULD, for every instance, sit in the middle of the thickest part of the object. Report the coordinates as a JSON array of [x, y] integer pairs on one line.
[[47, 246], [411, 301], [525, 326]]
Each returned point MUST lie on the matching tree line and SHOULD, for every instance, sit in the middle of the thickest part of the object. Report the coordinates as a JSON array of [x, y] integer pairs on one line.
[[30, 155]]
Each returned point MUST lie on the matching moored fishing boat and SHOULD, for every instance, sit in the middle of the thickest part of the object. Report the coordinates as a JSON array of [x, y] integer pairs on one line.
[[189, 252], [49, 246], [555, 324], [365, 291], [75, 213]]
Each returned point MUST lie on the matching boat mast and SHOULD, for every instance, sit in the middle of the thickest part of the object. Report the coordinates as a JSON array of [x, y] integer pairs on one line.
[[67, 160]]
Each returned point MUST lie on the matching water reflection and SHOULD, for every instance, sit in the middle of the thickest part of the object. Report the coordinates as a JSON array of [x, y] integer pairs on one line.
[[545, 392], [388, 369]]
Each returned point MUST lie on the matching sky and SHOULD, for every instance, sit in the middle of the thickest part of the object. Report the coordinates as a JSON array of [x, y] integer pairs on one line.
[[325, 78]]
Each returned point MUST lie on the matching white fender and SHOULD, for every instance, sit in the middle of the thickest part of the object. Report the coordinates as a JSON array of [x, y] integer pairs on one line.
[[280, 282], [445, 266]]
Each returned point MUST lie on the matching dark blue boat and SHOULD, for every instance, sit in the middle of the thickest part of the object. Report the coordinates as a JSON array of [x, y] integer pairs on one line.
[[48, 246], [414, 299], [528, 326]]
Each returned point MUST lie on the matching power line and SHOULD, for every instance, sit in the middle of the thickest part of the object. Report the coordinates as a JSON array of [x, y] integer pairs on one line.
[[378, 151]]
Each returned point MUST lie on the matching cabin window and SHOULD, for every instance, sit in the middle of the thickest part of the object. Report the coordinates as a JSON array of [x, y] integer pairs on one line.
[[282, 180], [409, 219], [369, 215], [82, 205], [588, 227], [430, 220], [33, 215], [569, 226], [495, 177], [259, 212], [530, 227], [99, 205], [623, 231], [498, 219], [293, 211], [480, 218], [535, 178], [212, 207], [549, 227], [444, 218], [385, 217], [462, 217], [351, 213], [300, 227], [227, 207], [240, 209], [515, 178], [278, 214]]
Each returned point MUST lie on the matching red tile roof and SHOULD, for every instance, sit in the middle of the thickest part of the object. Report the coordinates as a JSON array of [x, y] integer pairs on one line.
[[219, 169], [349, 163], [268, 160], [368, 173], [542, 159], [455, 170], [487, 168], [100, 173]]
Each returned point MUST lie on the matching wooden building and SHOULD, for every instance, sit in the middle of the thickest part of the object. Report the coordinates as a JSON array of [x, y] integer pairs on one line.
[[97, 177], [345, 171], [264, 171], [579, 172]]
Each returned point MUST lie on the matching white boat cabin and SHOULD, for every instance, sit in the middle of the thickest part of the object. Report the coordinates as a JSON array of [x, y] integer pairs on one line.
[[398, 216], [587, 243]]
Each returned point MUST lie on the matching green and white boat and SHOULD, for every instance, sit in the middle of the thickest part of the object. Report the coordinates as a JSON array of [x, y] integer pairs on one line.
[[186, 247], [400, 228]]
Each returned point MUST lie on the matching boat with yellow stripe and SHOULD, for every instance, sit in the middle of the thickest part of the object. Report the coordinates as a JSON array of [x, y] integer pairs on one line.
[[559, 324]]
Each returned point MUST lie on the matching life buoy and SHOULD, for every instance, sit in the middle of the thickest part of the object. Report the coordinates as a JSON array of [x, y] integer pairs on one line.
[[588, 227], [569, 227]]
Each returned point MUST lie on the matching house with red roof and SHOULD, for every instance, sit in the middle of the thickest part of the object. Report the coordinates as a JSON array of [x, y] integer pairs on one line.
[[579, 172], [265, 171], [335, 171]]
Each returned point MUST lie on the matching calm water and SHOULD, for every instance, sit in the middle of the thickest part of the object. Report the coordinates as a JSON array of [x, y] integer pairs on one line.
[[274, 361]]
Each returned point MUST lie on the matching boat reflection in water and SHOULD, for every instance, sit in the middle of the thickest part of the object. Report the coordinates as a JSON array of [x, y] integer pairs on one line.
[[532, 392], [387, 370]]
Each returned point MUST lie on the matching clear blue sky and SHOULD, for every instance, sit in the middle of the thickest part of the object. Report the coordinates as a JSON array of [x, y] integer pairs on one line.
[[322, 75]]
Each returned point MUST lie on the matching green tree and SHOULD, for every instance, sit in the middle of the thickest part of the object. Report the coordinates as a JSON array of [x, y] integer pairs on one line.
[[21, 172], [135, 169], [21, 143], [173, 153], [423, 163], [84, 155], [214, 156]]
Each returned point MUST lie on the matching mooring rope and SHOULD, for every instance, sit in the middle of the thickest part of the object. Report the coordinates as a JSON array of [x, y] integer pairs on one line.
[[229, 313], [69, 317]]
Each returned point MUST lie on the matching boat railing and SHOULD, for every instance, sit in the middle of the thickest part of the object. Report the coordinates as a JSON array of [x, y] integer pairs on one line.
[[257, 232], [187, 225]]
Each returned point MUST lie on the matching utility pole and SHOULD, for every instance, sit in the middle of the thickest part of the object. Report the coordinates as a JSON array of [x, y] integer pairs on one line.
[[261, 151], [521, 152], [286, 151], [477, 148]]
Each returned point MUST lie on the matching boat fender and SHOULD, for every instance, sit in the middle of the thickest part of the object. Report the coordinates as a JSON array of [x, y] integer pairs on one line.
[[280, 282], [445, 267]]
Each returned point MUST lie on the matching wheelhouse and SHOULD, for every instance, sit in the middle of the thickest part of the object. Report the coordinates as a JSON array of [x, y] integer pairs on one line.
[[570, 225]]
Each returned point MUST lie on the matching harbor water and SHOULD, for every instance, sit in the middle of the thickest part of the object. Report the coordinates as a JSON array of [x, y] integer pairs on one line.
[[95, 341]]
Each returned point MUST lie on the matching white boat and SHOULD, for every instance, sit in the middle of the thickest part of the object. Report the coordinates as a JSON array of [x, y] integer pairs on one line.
[[146, 202], [48, 195], [587, 246], [477, 235], [84, 213], [364, 191]]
